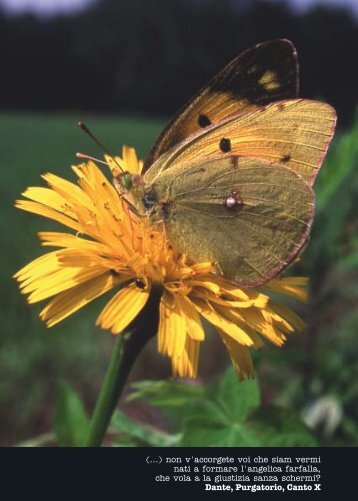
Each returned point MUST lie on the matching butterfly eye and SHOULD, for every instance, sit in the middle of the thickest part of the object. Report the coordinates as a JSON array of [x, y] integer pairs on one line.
[[149, 200], [126, 181]]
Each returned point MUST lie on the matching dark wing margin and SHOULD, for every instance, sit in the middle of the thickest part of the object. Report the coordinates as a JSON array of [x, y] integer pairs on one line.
[[262, 74]]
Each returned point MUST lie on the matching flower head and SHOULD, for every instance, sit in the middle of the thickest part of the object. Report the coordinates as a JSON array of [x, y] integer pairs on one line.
[[109, 247]]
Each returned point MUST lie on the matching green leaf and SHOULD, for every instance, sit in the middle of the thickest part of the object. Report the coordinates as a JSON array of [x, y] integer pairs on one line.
[[166, 393], [239, 398], [203, 431], [225, 414], [135, 433], [70, 418], [279, 427], [221, 421]]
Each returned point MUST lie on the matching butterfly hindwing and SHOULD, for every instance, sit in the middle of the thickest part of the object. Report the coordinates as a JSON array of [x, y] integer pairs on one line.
[[249, 216], [293, 133], [263, 74]]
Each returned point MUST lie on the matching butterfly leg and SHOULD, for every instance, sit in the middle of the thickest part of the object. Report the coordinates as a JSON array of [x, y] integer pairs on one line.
[[161, 221]]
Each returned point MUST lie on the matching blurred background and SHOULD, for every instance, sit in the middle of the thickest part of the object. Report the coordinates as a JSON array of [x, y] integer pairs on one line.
[[124, 67]]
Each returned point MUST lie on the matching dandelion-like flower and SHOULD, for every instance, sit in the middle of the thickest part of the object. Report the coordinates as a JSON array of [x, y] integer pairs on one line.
[[110, 247]]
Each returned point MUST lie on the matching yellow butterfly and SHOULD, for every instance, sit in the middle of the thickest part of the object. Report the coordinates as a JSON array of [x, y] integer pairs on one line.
[[231, 174]]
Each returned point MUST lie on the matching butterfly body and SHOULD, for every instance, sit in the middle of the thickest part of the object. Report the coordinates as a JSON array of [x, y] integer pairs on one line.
[[231, 174]]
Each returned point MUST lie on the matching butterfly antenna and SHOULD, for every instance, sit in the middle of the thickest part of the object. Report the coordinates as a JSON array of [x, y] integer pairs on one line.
[[86, 130], [88, 157]]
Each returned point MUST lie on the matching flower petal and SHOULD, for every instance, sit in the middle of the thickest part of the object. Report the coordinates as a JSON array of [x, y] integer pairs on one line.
[[186, 365], [43, 210], [193, 323], [240, 356], [172, 326], [288, 315], [68, 302], [123, 308], [56, 272], [130, 159], [212, 315], [57, 239], [293, 286]]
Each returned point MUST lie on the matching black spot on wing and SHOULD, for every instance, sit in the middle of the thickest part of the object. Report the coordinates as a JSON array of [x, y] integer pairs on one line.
[[203, 120], [225, 145], [285, 158]]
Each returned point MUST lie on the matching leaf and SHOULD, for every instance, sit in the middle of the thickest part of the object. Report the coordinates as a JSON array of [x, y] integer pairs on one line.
[[279, 427], [240, 397], [224, 414], [165, 393], [70, 418], [135, 433], [221, 421], [203, 431]]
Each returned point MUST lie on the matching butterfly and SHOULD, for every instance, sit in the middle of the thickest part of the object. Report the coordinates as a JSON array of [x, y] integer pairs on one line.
[[231, 174]]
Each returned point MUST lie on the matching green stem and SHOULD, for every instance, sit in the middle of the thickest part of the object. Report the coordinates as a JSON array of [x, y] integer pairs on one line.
[[125, 352]]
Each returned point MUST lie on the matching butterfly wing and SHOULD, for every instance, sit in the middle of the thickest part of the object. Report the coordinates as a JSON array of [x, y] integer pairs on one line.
[[293, 133], [260, 75], [251, 241]]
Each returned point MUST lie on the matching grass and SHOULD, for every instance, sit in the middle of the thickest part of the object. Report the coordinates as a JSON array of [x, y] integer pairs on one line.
[[32, 358]]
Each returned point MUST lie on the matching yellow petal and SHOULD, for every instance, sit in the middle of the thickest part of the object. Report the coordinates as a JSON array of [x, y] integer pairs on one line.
[[289, 315], [59, 281], [186, 365], [293, 286], [130, 159], [123, 308], [43, 210], [193, 323], [249, 320], [71, 193], [172, 326], [259, 302], [211, 286], [57, 239], [203, 267], [115, 164], [68, 302], [56, 272], [48, 197], [240, 356], [233, 330], [262, 322], [38, 267]]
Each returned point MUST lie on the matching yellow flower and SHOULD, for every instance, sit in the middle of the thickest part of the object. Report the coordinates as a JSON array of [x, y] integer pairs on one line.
[[109, 247]]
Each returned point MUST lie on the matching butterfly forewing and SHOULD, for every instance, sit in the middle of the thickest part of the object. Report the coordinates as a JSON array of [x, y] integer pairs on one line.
[[293, 133], [249, 216], [260, 75]]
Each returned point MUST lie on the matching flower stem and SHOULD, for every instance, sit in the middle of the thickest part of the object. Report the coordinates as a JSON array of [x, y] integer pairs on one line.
[[125, 352]]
